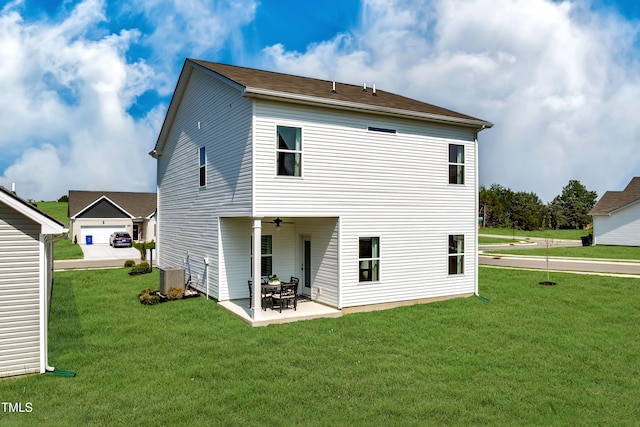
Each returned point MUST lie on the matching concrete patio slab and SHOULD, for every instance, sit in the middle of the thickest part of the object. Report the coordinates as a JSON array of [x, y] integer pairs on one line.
[[306, 310]]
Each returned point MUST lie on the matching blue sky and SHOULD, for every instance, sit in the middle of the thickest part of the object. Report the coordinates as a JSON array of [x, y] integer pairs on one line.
[[85, 85]]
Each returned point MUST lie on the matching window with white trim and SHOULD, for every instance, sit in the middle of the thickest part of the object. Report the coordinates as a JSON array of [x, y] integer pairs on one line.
[[266, 253], [203, 166], [456, 254], [289, 151], [369, 259], [456, 164]]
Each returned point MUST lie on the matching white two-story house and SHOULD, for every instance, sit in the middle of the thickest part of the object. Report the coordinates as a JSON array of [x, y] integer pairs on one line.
[[368, 197]]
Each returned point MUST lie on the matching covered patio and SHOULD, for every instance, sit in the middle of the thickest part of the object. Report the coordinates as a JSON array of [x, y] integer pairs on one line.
[[306, 310]]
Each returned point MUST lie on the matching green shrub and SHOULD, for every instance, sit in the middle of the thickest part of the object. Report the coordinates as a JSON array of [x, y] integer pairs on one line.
[[174, 293], [129, 263], [142, 268], [148, 297]]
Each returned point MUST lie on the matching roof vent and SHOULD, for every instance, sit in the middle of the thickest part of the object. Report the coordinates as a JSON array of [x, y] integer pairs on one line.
[[333, 90], [364, 87], [13, 187], [374, 90]]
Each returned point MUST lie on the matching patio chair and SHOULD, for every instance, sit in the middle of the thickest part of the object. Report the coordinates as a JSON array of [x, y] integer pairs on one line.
[[288, 293], [268, 292], [266, 295]]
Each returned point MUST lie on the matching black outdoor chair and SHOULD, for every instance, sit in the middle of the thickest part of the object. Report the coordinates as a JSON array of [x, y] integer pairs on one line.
[[288, 293]]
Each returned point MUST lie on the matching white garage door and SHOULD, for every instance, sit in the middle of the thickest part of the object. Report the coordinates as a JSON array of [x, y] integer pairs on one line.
[[99, 234]]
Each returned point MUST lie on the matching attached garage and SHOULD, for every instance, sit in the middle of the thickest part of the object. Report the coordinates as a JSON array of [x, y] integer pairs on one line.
[[99, 233], [99, 214]]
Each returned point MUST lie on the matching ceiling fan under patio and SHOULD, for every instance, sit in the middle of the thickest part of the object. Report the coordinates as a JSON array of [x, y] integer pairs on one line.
[[278, 222]]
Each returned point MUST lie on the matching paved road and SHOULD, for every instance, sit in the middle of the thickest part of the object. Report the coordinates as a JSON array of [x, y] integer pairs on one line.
[[594, 266]]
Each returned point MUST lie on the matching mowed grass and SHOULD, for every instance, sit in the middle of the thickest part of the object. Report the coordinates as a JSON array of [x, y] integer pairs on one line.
[[65, 249], [58, 210], [596, 252], [533, 355], [502, 240], [555, 234]]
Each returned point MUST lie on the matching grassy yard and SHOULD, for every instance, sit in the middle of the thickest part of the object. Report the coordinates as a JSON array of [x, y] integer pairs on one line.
[[533, 355], [65, 249], [486, 240], [556, 234], [58, 210], [602, 252]]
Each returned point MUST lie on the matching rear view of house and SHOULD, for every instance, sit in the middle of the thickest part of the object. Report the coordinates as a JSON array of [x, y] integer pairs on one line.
[[368, 197], [26, 257], [616, 217]]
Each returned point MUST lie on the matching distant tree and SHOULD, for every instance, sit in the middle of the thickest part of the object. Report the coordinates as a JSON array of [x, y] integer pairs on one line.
[[571, 208], [495, 206], [527, 211], [64, 198]]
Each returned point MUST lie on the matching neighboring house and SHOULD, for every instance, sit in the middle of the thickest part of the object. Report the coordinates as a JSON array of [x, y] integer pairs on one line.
[[368, 197], [616, 217], [26, 276], [98, 214]]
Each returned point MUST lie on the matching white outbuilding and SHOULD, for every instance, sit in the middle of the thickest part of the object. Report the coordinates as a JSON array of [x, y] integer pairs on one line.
[[26, 277], [616, 217]]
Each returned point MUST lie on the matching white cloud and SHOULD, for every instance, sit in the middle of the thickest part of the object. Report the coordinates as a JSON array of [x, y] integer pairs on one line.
[[198, 27], [559, 81], [67, 84]]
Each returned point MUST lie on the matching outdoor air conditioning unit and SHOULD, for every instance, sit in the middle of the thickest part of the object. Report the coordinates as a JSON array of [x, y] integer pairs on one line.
[[171, 277]]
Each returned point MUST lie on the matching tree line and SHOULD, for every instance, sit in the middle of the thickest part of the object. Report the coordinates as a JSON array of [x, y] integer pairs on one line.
[[501, 207]]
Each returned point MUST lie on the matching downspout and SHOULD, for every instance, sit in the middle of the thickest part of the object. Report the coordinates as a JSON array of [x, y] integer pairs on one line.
[[477, 206], [45, 300]]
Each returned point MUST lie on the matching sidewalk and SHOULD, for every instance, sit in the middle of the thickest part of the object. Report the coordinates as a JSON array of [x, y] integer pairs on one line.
[[86, 264], [607, 267]]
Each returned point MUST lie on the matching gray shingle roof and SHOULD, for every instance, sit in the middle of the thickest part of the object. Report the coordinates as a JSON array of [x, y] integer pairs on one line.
[[263, 82], [139, 205], [613, 200]]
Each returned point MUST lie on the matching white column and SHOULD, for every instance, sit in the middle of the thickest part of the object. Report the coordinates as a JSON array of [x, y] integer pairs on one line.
[[257, 267]]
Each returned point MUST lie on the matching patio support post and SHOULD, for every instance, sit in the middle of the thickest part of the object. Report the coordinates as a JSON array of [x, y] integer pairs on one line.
[[256, 313]]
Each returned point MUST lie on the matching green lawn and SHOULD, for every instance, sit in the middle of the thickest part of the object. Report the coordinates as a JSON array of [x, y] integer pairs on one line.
[[486, 240], [65, 249], [533, 355], [58, 210], [605, 252], [556, 234]]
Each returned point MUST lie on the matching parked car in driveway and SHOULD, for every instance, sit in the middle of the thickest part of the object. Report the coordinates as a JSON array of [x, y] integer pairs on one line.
[[120, 239]]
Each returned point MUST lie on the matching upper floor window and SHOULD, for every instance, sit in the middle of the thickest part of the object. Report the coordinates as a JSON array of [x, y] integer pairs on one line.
[[456, 254], [289, 151], [456, 164], [369, 259], [203, 167]]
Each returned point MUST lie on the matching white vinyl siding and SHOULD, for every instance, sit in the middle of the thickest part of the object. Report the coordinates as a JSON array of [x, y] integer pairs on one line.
[[379, 184], [215, 116], [621, 228], [19, 293], [355, 182]]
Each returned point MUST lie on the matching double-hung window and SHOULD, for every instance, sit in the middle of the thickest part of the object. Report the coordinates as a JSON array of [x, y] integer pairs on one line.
[[203, 166], [369, 259], [456, 254], [289, 151], [456, 164], [266, 255]]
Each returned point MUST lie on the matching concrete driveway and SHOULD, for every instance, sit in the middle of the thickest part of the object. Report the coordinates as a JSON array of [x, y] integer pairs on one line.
[[104, 251]]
